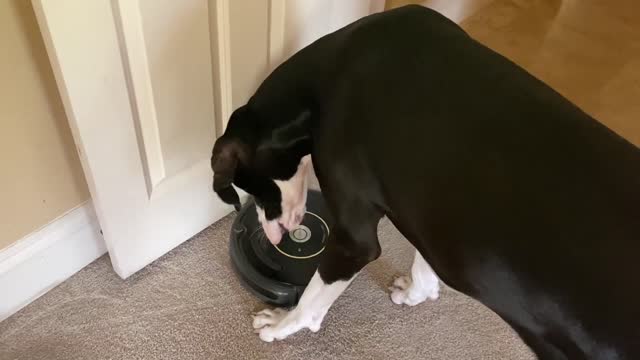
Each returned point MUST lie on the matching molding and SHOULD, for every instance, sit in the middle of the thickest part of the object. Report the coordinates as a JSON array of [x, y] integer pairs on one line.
[[277, 21], [133, 51], [220, 30], [43, 259]]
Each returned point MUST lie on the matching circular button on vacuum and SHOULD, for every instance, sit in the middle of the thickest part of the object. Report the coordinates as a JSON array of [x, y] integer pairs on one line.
[[307, 240], [300, 234]]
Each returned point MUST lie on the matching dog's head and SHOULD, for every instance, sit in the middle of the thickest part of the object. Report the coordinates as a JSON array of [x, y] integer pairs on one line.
[[269, 160]]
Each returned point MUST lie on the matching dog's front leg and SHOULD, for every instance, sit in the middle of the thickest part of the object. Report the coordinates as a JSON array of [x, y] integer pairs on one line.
[[316, 300], [343, 258]]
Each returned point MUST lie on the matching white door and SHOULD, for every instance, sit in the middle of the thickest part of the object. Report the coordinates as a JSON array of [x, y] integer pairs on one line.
[[147, 86]]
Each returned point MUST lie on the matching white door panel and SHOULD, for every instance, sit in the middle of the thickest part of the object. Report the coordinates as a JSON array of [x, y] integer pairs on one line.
[[178, 52]]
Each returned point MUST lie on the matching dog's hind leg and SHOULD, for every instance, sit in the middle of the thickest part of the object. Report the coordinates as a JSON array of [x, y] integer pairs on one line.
[[423, 284], [348, 250], [543, 349]]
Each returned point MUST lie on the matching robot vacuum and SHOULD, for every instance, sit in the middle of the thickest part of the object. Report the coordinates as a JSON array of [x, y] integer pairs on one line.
[[278, 274]]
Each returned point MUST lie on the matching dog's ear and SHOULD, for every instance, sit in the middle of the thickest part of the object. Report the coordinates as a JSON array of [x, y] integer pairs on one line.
[[224, 162]]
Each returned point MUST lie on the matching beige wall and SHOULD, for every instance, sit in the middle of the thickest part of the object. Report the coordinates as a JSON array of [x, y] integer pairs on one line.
[[40, 174]]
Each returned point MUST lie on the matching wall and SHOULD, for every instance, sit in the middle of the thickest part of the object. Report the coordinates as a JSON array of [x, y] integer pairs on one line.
[[41, 178]]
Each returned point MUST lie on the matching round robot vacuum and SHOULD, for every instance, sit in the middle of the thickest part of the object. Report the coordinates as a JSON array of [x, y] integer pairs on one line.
[[278, 274]]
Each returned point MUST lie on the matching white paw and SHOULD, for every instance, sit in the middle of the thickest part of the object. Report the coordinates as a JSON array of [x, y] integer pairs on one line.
[[278, 323], [268, 317], [266, 321], [404, 291]]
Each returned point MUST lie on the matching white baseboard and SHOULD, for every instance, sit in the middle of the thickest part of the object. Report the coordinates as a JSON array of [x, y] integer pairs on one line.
[[42, 260]]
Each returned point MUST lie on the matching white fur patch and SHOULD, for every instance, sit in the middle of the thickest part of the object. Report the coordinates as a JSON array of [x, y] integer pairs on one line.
[[294, 200], [294, 195], [316, 300], [422, 285], [271, 228]]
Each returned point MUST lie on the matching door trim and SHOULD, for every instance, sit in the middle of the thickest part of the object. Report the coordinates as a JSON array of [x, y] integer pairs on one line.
[[220, 23], [277, 22]]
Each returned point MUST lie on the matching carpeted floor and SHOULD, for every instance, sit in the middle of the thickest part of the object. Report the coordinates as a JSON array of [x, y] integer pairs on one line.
[[190, 305]]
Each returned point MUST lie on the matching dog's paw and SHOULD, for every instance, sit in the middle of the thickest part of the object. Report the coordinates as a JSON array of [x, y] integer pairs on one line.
[[278, 323], [266, 323], [268, 317], [400, 292], [404, 291]]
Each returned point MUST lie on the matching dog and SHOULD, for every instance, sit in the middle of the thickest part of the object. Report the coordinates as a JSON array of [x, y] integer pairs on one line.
[[510, 194]]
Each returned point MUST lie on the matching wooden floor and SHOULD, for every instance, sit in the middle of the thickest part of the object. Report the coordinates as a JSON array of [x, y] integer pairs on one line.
[[588, 50]]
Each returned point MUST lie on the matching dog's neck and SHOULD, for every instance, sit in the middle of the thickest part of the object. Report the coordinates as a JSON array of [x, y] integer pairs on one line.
[[284, 106], [289, 96]]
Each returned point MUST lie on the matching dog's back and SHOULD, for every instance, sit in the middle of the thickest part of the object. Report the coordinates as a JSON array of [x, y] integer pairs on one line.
[[514, 195]]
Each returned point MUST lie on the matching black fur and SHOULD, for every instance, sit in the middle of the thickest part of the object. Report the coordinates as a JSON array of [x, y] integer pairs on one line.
[[512, 194]]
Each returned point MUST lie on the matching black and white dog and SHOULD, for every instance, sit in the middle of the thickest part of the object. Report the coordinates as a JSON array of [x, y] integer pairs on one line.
[[513, 195]]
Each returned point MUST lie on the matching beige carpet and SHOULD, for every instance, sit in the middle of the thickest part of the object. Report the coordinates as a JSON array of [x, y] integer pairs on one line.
[[190, 305]]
